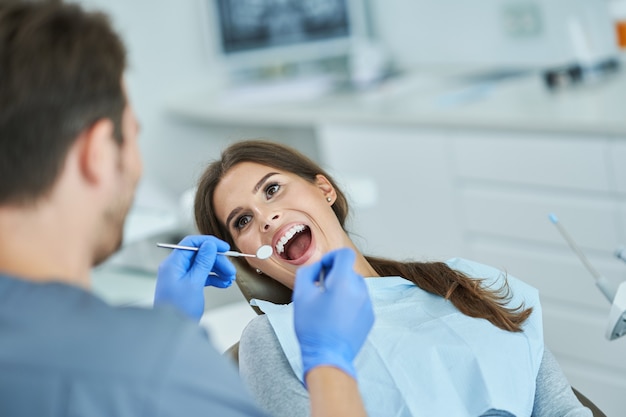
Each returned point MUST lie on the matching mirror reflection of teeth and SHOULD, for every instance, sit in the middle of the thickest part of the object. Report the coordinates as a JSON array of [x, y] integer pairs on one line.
[[280, 246]]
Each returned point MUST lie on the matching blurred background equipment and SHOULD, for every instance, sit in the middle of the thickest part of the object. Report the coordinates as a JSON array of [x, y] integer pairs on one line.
[[293, 49], [616, 326]]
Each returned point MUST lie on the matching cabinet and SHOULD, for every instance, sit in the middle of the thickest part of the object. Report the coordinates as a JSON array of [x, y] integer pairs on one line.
[[400, 182], [508, 184]]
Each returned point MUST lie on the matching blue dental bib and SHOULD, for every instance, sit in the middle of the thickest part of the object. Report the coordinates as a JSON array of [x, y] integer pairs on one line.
[[424, 357]]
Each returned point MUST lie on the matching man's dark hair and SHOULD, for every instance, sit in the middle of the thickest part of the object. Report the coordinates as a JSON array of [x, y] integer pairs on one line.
[[61, 71]]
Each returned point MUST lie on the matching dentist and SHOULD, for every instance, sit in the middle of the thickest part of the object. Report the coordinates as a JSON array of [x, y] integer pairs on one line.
[[69, 166]]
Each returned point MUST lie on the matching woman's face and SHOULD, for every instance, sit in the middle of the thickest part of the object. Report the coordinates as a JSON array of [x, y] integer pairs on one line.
[[261, 205]]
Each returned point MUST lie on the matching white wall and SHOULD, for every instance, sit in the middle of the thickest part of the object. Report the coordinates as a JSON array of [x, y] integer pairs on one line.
[[456, 31], [171, 55], [168, 55]]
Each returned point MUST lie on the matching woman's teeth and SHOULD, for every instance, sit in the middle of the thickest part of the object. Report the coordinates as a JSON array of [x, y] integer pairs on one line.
[[280, 246]]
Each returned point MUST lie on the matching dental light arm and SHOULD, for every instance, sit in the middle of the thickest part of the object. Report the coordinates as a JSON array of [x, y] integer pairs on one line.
[[616, 326], [617, 316]]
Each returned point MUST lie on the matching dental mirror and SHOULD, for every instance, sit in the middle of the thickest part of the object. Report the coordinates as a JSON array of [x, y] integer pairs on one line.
[[263, 252]]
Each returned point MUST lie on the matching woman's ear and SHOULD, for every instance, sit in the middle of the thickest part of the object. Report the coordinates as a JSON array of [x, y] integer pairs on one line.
[[326, 187], [96, 155]]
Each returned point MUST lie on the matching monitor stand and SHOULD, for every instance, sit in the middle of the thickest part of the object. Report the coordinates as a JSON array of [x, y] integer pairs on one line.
[[299, 89]]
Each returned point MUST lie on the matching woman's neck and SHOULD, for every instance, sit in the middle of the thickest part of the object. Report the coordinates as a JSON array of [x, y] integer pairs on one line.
[[363, 267]]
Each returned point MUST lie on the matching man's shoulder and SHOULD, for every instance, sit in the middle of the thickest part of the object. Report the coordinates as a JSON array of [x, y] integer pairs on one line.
[[59, 327], [72, 345]]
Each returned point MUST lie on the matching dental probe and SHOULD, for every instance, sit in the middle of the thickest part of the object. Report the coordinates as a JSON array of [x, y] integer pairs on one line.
[[263, 252], [320, 280], [601, 282]]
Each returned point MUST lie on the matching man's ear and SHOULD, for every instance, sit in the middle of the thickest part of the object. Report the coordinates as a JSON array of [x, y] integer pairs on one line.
[[96, 143], [326, 187]]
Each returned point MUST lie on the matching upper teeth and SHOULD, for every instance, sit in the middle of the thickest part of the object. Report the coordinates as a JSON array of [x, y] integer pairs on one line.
[[280, 246]]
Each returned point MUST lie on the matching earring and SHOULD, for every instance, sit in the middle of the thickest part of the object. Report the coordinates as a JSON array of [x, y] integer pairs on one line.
[[258, 271], [329, 199]]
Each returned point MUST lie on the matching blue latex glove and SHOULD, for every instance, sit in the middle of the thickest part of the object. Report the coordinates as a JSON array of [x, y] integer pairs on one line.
[[183, 274], [331, 321]]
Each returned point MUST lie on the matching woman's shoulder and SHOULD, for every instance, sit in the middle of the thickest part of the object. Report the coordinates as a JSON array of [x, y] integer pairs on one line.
[[260, 351], [258, 330]]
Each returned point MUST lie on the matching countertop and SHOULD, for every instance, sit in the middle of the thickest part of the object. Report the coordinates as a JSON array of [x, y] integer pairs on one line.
[[517, 102]]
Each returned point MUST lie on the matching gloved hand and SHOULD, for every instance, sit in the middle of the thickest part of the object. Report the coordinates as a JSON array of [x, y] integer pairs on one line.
[[183, 275], [331, 320]]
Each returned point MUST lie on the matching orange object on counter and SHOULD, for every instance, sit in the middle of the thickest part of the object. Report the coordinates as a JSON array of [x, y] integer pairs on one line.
[[617, 11], [620, 32]]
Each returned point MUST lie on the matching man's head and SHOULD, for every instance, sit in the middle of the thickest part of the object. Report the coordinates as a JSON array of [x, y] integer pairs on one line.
[[60, 71], [64, 114]]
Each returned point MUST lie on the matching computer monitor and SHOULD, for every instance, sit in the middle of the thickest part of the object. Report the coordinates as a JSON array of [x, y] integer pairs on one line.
[[267, 36]]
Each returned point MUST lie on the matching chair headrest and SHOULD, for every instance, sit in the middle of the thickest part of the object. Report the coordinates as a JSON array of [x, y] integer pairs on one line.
[[260, 286]]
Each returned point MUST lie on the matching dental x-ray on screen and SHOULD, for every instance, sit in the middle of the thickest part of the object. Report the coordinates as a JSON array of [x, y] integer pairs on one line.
[[256, 32]]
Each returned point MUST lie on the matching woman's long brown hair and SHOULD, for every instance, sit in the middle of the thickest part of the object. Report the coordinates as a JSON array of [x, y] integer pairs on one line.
[[465, 293]]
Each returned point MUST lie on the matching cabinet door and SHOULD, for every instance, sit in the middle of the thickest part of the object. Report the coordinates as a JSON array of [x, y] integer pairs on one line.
[[556, 161], [399, 183], [511, 182], [618, 164]]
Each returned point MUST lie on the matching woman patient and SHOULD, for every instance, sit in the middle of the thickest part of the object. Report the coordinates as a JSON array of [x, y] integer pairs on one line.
[[450, 338]]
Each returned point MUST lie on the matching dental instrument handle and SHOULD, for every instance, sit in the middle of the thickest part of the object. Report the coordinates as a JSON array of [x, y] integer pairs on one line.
[[574, 247], [601, 282], [193, 248], [236, 254], [172, 246]]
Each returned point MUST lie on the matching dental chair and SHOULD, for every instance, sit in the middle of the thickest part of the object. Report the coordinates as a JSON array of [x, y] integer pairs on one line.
[[253, 285]]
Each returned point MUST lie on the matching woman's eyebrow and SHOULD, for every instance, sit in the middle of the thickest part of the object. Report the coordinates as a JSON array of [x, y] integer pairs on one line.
[[232, 214], [262, 180]]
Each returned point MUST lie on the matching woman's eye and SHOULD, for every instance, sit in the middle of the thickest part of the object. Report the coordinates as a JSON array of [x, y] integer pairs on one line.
[[242, 221], [271, 190]]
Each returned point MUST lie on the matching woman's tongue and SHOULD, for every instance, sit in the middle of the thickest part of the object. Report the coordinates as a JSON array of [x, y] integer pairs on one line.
[[297, 246]]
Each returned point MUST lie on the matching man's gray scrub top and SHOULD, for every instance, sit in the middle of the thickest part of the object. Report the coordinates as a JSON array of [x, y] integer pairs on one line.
[[65, 352]]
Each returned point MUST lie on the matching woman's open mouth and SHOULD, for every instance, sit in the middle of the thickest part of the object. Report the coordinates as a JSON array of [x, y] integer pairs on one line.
[[294, 243]]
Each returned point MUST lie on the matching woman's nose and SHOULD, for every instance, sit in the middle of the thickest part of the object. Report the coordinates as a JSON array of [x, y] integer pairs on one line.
[[271, 220]]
